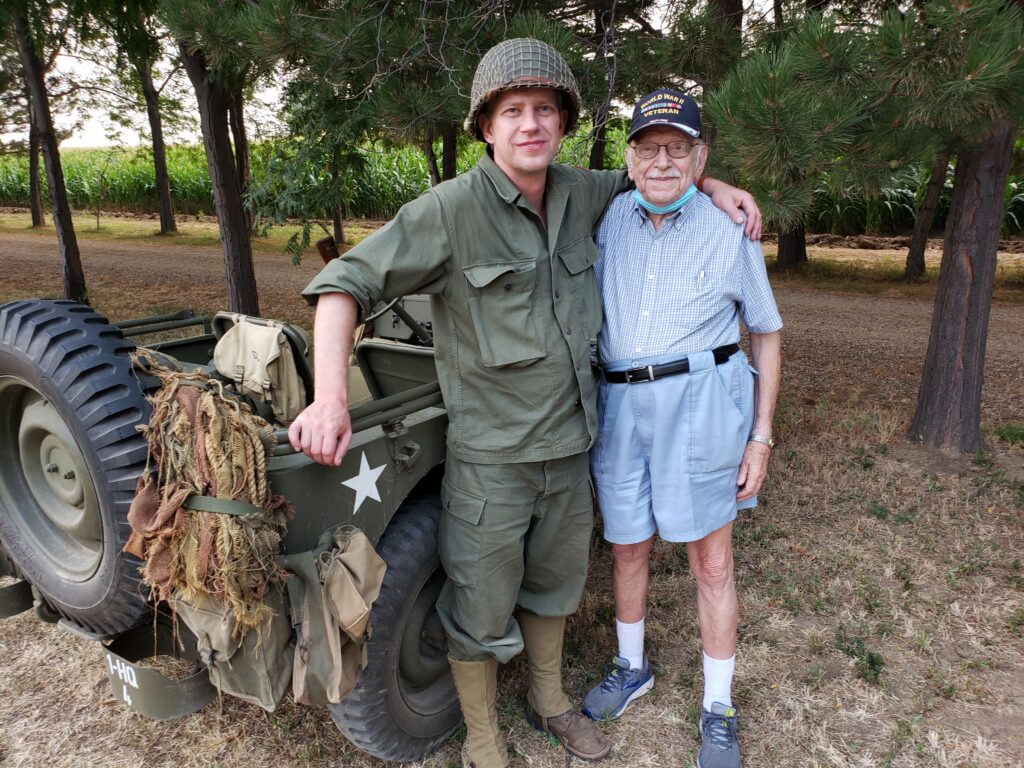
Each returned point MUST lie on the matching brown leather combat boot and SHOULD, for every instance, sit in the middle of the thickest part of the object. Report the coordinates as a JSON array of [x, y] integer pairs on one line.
[[549, 708], [579, 734], [477, 686]]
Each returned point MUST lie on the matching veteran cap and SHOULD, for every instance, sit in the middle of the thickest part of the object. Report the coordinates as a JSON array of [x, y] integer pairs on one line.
[[669, 108]]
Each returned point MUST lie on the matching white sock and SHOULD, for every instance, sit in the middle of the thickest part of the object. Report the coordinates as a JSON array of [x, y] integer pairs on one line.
[[631, 642], [718, 680]]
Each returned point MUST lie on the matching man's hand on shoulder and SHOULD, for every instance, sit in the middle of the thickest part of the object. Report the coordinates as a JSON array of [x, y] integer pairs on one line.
[[323, 431], [731, 201]]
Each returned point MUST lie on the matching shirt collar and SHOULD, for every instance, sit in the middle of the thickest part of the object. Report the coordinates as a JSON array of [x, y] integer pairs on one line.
[[671, 219], [503, 185]]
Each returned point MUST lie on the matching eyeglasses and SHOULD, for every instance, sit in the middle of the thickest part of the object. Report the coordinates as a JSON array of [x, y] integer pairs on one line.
[[676, 149]]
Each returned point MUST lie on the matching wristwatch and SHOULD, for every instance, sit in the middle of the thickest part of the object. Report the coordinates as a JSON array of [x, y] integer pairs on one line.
[[766, 439]]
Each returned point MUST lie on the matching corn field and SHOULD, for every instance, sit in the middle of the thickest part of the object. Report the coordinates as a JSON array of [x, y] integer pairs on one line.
[[122, 179]]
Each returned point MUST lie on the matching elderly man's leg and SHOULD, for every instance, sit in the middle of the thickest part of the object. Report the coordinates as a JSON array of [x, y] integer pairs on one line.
[[628, 677], [717, 610]]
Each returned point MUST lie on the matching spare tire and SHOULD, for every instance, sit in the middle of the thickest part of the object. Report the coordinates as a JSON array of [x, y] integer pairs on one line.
[[70, 455]]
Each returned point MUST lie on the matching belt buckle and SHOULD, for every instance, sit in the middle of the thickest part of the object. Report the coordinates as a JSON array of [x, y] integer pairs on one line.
[[649, 370]]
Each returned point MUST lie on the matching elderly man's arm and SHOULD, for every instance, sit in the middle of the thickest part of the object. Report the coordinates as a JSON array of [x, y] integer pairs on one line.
[[731, 201], [766, 349], [323, 431]]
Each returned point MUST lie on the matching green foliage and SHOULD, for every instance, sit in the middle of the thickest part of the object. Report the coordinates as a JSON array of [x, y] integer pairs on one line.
[[1011, 432]]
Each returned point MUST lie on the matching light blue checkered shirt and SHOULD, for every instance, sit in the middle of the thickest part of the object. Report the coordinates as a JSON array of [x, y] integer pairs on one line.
[[681, 289]]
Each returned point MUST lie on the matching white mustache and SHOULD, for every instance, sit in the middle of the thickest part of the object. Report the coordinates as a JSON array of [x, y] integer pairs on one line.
[[672, 175]]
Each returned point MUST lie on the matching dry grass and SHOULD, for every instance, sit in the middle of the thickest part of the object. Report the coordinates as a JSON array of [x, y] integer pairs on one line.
[[880, 584]]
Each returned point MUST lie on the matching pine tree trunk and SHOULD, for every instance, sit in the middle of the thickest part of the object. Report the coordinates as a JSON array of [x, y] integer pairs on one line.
[[792, 248], [597, 150], [948, 411], [337, 214], [35, 192], [428, 150], [74, 277], [236, 119], [926, 215], [449, 152], [602, 18], [214, 102], [777, 12], [163, 182]]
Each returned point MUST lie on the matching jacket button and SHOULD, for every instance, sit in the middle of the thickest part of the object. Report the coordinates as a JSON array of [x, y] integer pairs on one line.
[[577, 404], [568, 330], [508, 286], [557, 295]]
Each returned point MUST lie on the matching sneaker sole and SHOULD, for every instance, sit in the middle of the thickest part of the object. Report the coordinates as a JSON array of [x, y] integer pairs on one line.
[[647, 686]]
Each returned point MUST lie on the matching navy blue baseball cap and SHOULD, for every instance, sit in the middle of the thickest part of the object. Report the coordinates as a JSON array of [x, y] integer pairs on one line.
[[669, 108]]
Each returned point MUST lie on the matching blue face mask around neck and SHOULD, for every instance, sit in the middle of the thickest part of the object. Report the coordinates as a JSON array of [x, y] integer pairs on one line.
[[670, 208]]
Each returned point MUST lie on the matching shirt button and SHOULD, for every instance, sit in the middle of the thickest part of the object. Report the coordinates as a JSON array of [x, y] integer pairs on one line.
[[646, 313], [650, 277]]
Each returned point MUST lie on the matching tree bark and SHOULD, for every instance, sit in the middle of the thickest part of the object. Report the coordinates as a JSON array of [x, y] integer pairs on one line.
[[337, 214], [948, 411], [214, 102], [602, 20], [428, 150], [236, 118], [74, 277], [731, 12], [792, 248], [597, 149], [449, 152], [163, 183], [777, 11], [35, 192], [914, 269]]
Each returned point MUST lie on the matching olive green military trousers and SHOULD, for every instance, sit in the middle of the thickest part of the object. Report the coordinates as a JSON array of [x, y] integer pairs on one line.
[[512, 536]]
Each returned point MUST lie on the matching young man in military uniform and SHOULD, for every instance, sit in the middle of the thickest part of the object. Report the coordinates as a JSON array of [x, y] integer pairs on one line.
[[506, 254]]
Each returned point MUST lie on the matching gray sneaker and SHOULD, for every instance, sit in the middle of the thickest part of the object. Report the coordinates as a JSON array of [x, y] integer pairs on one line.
[[621, 685], [720, 747]]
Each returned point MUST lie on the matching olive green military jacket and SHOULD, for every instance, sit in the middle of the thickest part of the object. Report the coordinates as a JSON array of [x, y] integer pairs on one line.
[[515, 307]]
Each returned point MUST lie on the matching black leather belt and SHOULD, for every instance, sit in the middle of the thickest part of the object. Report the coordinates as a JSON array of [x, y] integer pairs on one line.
[[652, 372]]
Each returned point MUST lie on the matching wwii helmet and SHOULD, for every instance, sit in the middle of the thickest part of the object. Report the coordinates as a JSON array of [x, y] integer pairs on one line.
[[521, 62]]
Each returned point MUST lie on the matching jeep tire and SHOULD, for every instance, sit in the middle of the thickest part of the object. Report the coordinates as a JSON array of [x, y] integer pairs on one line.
[[70, 456], [404, 704]]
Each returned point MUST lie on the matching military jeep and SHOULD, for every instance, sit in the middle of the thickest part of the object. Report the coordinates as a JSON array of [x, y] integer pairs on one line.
[[70, 456]]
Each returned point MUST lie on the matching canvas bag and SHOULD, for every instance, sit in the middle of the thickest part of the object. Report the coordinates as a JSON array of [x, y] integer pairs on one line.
[[332, 592], [256, 355], [256, 666]]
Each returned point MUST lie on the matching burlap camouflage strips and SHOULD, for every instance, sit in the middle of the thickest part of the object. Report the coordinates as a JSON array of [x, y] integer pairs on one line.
[[521, 62]]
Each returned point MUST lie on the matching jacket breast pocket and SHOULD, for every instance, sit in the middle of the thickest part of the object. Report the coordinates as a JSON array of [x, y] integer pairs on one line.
[[578, 280], [501, 299]]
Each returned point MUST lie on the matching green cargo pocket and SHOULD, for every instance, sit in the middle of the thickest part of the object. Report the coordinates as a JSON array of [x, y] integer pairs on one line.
[[459, 534], [577, 258], [501, 305]]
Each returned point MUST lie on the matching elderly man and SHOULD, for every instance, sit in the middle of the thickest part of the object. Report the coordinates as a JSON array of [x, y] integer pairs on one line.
[[686, 423], [506, 253]]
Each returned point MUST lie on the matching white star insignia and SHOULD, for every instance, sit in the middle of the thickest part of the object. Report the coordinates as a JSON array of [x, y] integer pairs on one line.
[[365, 483]]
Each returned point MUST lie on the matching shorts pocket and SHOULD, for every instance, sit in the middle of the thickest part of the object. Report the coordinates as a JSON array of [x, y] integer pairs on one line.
[[501, 305], [460, 533], [719, 424]]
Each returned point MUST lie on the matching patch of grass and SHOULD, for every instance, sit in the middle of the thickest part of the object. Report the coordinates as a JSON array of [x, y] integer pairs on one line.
[[1011, 432], [868, 664], [1015, 622]]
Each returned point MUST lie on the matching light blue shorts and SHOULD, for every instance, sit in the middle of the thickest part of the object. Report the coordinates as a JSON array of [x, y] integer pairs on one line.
[[668, 451]]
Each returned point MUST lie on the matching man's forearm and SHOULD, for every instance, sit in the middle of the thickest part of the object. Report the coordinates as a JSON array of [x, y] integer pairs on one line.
[[766, 349], [336, 315]]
